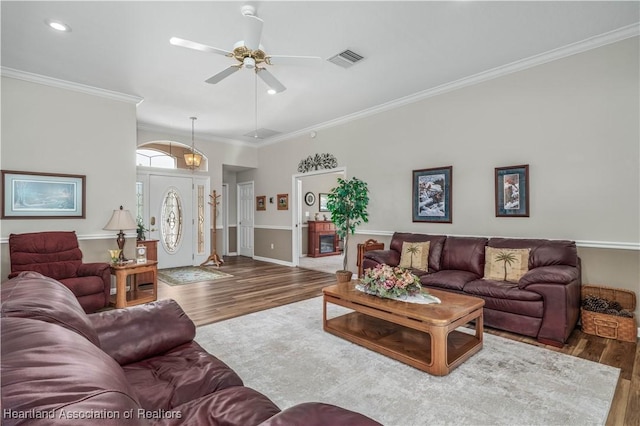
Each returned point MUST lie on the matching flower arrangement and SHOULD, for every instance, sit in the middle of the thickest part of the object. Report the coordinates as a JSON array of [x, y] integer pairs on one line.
[[389, 281]]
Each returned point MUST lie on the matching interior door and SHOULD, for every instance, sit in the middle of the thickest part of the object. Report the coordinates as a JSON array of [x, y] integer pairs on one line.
[[245, 219], [172, 218]]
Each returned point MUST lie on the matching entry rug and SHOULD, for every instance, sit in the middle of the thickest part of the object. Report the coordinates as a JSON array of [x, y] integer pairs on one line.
[[284, 353], [190, 274]]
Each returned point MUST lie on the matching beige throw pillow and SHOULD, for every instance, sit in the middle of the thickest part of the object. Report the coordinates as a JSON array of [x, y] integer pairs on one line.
[[502, 264], [415, 255]]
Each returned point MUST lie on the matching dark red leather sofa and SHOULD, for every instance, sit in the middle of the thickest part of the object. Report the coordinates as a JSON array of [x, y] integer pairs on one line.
[[133, 366], [544, 303]]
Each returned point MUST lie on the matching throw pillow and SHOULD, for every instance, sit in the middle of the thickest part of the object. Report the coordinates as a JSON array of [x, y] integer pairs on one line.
[[415, 255], [502, 264]]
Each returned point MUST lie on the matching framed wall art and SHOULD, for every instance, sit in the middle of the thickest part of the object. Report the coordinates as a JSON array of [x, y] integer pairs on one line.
[[512, 191], [261, 202], [322, 204], [29, 195], [309, 198], [283, 201], [432, 195]]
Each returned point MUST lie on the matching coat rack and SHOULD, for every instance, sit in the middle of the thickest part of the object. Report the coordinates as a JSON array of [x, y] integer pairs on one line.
[[213, 257]]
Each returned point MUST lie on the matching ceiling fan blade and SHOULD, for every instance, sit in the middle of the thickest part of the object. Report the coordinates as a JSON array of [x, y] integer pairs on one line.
[[198, 46], [270, 80], [223, 74], [253, 32], [287, 59]]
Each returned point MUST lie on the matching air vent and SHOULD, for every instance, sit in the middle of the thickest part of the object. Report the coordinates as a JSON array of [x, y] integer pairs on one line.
[[261, 133], [346, 59]]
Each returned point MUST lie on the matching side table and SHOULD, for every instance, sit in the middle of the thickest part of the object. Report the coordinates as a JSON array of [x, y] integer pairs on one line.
[[136, 295]]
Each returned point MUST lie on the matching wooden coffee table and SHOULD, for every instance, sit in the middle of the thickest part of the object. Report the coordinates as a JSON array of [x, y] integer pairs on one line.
[[423, 336]]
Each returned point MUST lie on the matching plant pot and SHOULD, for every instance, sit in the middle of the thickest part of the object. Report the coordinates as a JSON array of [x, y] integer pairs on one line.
[[344, 276]]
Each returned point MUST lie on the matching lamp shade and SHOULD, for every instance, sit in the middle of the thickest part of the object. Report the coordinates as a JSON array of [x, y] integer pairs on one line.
[[192, 159], [120, 220]]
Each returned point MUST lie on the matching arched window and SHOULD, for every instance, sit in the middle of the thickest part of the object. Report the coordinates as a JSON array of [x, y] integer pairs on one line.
[[154, 158]]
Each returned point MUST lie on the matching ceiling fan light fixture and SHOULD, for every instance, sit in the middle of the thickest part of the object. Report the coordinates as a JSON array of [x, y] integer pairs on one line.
[[249, 63]]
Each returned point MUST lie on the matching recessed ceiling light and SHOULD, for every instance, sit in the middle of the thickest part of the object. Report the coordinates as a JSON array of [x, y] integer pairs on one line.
[[57, 25], [271, 91]]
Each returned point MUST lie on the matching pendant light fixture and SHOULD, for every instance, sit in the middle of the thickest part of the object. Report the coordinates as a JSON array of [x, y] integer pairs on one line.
[[192, 159]]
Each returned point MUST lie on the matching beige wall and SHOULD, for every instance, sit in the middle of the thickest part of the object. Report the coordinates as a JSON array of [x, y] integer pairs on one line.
[[266, 238], [575, 121], [54, 130]]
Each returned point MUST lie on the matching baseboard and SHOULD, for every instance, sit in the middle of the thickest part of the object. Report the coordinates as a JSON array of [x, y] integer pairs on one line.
[[276, 261]]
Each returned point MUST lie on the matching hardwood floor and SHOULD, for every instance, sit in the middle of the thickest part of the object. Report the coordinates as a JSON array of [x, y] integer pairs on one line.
[[256, 286]]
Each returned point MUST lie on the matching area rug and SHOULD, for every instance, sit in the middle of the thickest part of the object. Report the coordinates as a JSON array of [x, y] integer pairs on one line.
[[190, 274], [285, 354]]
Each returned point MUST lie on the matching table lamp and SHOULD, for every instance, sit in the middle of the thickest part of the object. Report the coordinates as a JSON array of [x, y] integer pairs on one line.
[[121, 220]]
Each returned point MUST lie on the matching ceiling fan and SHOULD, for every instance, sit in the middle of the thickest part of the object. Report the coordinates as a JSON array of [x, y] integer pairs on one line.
[[248, 53]]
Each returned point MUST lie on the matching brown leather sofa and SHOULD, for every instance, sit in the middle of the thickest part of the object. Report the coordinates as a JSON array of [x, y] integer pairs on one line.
[[544, 303], [56, 254], [133, 366]]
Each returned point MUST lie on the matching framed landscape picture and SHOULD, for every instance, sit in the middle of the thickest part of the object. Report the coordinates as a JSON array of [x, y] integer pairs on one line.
[[432, 195], [29, 195], [512, 191]]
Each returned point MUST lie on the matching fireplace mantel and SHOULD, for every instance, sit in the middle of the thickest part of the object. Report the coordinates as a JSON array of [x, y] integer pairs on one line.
[[323, 239]]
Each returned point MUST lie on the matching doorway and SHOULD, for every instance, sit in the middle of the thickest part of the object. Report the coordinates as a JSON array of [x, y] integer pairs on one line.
[[176, 214], [316, 182]]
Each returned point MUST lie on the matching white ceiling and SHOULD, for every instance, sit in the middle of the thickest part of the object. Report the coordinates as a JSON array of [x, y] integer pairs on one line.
[[409, 48]]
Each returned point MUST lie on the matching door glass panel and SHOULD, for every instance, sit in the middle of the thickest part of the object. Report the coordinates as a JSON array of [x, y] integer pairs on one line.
[[171, 234], [201, 218], [139, 202]]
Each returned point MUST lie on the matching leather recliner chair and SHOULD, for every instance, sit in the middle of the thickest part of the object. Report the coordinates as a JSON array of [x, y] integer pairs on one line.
[[56, 254]]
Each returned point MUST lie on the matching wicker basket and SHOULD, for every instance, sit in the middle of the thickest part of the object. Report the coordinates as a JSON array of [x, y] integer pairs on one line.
[[605, 325]]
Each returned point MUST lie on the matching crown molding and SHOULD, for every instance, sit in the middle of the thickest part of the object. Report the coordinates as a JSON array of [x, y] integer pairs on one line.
[[620, 34], [183, 134], [68, 85]]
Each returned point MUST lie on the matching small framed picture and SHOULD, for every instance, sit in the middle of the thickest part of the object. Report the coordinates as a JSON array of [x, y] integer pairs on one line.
[[261, 202], [512, 191], [432, 195], [283, 201], [323, 202]]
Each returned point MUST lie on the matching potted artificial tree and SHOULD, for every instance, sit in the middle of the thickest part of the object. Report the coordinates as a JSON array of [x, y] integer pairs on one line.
[[347, 203]]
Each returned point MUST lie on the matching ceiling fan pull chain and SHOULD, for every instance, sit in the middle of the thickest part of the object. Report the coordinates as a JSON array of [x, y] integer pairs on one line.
[[256, 103]]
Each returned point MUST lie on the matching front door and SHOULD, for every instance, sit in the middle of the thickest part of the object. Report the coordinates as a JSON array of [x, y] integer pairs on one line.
[[245, 219], [172, 219]]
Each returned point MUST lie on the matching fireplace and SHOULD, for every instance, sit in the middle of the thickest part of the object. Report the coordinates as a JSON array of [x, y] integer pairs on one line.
[[323, 240], [327, 243]]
